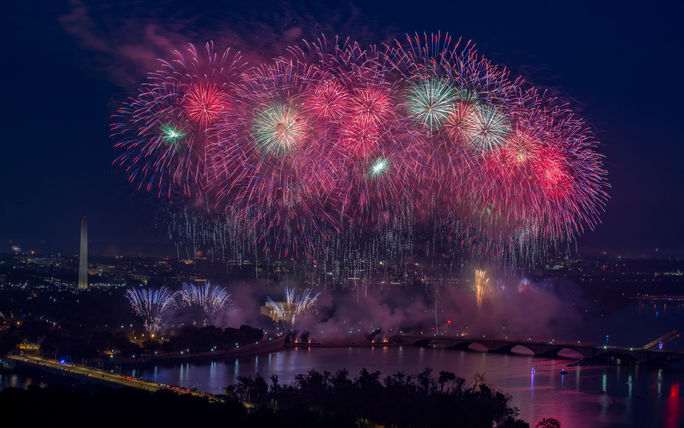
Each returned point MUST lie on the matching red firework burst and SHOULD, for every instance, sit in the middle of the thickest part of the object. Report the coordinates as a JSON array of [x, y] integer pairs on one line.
[[361, 139], [370, 106], [456, 122], [327, 100], [204, 103], [553, 173]]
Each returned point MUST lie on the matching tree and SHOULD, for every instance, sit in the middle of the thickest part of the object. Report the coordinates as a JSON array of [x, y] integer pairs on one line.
[[445, 378], [548, 423]]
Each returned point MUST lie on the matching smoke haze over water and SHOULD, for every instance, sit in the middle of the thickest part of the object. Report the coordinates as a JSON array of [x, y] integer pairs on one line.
[[513, 307]]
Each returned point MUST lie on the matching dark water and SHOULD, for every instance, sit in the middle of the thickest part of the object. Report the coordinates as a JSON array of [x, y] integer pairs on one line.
[[635, 325], [14, 380]]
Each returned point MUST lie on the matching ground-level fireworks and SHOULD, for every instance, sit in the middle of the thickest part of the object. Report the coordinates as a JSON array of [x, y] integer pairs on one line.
[[295, 305], [209, 297], [150, 305], [482, 290]]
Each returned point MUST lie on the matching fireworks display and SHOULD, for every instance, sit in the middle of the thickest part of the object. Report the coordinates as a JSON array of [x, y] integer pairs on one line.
[[334, 150], [150, 305], [295, 305], [482, 291], [164, 131], [211, 298]]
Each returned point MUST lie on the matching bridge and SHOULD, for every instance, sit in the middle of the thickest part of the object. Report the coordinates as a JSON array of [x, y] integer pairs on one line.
[[588, 353]]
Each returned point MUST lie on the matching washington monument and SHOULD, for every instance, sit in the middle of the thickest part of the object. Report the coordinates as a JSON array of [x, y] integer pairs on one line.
[[83, 258]]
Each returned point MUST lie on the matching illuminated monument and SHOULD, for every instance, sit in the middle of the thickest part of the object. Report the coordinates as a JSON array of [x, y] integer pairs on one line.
[[83, 257]]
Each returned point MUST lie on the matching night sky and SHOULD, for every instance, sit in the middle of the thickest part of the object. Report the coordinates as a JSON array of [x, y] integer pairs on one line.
[[67, 65]]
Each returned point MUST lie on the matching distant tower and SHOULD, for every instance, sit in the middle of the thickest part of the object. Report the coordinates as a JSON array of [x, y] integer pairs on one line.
[[83, 259]]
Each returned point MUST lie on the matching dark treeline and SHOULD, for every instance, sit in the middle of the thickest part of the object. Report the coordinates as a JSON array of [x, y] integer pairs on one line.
[[328, 399], [71, 343], [83, 344], [314, 400], [204, 339], [66, 324]]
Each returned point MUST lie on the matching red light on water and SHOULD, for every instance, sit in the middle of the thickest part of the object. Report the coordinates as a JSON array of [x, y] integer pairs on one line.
[[672, 410]]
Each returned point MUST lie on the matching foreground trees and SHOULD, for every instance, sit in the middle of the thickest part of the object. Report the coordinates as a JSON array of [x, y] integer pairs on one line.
[[314, 400], [398, 400]]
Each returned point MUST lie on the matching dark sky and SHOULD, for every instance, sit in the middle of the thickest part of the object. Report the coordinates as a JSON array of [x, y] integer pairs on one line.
[[67, 65]]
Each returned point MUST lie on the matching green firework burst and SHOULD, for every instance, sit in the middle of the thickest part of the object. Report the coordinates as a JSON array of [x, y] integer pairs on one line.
[[486, 128], [431, 101], [171, 134], [379, 167], [278, 128]]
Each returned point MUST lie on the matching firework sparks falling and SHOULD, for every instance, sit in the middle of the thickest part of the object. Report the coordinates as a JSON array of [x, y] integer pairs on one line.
[[163, 131]]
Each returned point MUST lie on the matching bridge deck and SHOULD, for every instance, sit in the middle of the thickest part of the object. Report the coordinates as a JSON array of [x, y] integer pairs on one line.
[[548, 349]]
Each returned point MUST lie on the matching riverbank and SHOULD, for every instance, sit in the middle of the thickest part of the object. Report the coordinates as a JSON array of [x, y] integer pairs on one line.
[[263, 346]]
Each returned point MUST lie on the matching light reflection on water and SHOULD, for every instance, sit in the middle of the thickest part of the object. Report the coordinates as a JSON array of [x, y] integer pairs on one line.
[[585, 397], [12, 380]]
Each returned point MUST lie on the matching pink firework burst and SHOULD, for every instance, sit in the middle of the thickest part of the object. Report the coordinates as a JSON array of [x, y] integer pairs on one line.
[[370, 106]]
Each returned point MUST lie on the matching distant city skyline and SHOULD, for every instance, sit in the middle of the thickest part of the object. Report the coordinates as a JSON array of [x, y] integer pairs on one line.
[[83, 255]]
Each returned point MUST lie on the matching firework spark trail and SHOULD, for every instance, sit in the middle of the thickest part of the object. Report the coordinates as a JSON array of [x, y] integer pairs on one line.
[[150, 305], [334, 146], [482, 291], [210, 297]]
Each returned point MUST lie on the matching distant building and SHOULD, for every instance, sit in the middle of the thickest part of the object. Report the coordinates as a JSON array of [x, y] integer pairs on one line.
[[83, 256]]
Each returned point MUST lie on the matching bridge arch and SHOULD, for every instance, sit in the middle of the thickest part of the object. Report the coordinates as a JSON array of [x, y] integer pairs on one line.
[[477, 347], [570, 353], [521, 350]]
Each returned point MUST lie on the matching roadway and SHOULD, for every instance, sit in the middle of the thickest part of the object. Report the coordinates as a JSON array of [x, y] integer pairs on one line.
[[104, 376]]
